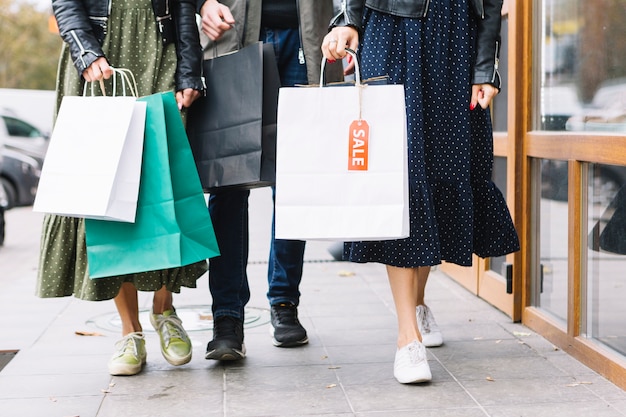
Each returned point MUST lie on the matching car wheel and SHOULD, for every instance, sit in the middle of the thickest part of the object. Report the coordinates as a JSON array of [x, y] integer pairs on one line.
[[10, 191]]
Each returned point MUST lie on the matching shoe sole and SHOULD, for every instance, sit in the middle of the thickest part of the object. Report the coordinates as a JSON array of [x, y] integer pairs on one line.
[[226, 354], [177, 361], [126, 370], [415, 380], [432, 342], [294, 343]]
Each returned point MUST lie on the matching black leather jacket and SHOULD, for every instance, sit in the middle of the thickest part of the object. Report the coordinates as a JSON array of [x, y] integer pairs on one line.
[[83, 26], [488, 37]]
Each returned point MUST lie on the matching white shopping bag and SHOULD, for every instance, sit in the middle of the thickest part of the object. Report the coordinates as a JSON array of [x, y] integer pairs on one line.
[[333, 181], [93, 163]]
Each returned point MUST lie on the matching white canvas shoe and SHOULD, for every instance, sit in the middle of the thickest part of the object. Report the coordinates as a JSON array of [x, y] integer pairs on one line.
[[411, 365], [431, 335]]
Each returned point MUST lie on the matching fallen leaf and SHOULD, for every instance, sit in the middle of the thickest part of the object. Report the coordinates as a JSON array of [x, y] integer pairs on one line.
[[205, 316], [84, 333], [334, 367], [346, 273], [490, 379], [331, 386], [499, 341], [521, 334], [325, 357]]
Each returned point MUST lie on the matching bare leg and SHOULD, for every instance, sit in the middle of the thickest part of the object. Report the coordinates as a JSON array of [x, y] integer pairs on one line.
[[422, 278], [404, 288], [128, 308], [407, 286], [162, 301]]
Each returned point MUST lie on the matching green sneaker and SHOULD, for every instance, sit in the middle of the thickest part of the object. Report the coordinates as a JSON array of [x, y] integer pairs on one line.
[[130, 355], [175, 344]]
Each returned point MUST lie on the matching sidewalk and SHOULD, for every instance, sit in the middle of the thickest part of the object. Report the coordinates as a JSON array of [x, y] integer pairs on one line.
[[488, 365]]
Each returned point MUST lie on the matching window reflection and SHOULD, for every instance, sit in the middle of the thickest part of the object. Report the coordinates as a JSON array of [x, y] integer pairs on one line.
[[583, 74], [606, 287], [550, 284], [499, 178]]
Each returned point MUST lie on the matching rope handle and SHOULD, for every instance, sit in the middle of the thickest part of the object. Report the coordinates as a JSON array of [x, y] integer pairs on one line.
[[357, 77], [357, 70], [128, 82]]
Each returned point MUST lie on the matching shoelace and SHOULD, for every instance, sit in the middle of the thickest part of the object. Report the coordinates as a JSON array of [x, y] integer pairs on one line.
[[286, 314], [424, 320], [225, 327], [414, 352], [173, 328], [127, 345]]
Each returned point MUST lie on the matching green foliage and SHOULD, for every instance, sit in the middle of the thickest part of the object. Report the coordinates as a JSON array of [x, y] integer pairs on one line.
[[29, 52]]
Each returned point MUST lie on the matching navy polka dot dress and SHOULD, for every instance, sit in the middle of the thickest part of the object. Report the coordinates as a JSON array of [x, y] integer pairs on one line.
[[455, 208]]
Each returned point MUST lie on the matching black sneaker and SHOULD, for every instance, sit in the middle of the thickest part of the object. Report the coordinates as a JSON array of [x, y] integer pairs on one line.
[[227, 343], [286, 328]]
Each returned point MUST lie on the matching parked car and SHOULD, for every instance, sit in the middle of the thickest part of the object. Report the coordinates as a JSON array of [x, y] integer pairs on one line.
[[4, 203], [19, 176], [22, 136]]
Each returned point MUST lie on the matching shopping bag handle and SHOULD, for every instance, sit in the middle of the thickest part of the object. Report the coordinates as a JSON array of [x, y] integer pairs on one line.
[[357, 70], [128, 82]]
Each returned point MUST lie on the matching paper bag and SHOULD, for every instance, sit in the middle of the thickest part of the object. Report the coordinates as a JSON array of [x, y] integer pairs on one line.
[[232, 130], [93, 161], [173, 227], [341, 163]]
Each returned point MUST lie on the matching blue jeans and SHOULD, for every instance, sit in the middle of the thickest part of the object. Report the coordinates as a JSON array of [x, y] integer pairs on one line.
[[228, 280]]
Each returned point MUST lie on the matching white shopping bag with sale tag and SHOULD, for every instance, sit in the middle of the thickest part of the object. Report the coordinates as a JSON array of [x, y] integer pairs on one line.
[[341, 163]]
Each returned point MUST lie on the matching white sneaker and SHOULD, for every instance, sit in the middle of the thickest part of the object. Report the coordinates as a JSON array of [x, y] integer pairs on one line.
[[431, 335], [411, 365]]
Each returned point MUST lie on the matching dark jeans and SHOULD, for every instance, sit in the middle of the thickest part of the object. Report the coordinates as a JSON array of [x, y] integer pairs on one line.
[[228, 280]]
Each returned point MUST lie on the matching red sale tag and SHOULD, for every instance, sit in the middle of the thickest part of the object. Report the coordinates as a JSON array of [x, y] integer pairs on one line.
[[358, 149]]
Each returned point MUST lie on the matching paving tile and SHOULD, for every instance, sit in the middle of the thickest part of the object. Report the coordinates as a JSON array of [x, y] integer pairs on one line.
[[477, 349], [440, 412], [556, 409], [48, 385], [33, 363], [502, 368], [567, 363], [473, 331], [513, 392], [178, 403], [83, 406], [283, 391], [397, 398]]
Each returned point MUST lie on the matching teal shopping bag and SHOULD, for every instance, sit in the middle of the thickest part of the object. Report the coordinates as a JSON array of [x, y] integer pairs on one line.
[[173, 227]]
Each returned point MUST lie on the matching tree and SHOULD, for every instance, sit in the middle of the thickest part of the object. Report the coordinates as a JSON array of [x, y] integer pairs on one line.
[[29, 51]]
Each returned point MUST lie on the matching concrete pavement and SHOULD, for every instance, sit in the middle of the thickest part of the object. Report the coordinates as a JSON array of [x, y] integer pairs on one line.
[[488, 365]]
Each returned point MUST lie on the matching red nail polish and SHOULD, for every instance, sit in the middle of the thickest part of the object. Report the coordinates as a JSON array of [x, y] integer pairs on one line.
[[472, 106], [331, 61], [349, 59]]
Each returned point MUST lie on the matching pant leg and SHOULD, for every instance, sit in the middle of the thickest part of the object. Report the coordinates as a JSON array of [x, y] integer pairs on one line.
[[228, 280], [286, 256]]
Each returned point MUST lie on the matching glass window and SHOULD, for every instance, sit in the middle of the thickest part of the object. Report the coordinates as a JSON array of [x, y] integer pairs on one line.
[[606, 260], [499, 178], [583, 70], [550, 281], [17, 127]]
